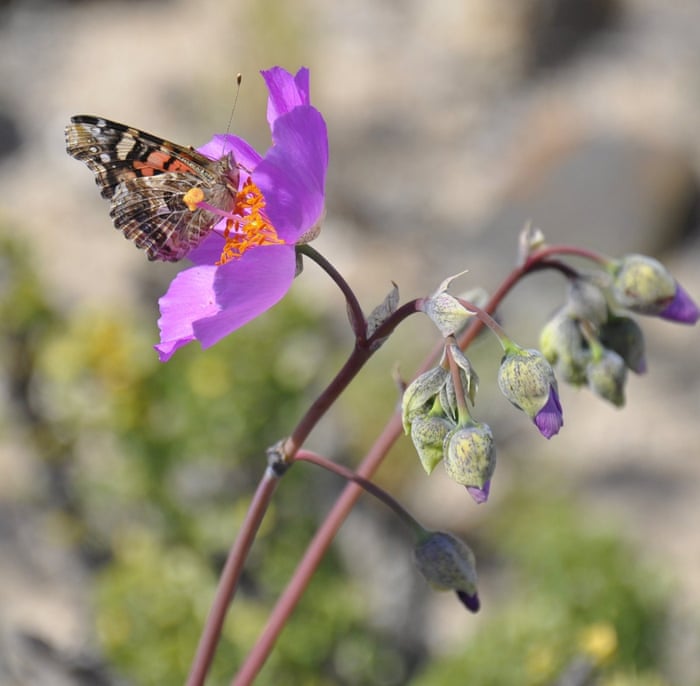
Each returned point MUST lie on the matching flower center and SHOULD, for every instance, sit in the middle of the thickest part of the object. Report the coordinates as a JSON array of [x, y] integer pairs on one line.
[[250, 227], [247, 226]]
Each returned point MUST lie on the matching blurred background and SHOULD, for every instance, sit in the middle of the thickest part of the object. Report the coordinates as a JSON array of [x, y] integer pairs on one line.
[[452, 124]]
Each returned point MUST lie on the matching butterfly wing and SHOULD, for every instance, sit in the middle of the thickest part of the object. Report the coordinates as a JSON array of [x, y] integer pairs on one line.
[[146, 177]]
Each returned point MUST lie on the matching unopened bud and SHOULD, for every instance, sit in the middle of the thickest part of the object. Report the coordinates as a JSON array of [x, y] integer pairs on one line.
[[421, 391], [625, 337], [428, 435], [586, 301], [470, 458], [448, 564], [607, 376], [446, 312], [562, 344], [642, 284], [527, 380]]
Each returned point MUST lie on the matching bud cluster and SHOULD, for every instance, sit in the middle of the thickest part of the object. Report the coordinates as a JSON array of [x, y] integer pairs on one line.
[[591, 341]]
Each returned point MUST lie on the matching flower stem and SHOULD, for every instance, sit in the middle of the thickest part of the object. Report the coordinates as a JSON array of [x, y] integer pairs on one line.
[[357, 317], [369, 486], [230, 576], [313, 555]]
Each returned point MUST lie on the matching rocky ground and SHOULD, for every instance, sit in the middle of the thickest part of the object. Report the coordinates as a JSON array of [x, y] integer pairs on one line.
[[452, 125]]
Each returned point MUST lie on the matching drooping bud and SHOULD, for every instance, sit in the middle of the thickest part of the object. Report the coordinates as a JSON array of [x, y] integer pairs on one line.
[[642, 284], [420, 392], [448, 564], [625, 337], [428, 433], [586, 301], [562, 344], [470, 458], [607, 376], [527, 380]]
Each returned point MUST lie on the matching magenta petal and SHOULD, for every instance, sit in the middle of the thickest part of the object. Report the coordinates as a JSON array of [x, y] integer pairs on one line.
[[189, 298], [682, 309], [245, 155], [292, 177], [286, 91], [246, 288]]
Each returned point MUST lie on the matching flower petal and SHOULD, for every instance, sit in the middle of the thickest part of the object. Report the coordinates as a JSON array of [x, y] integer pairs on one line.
[[551, 417], [207, 302], [245, 155], [190, 297], [245, 288], [292, 176], [286, 91], [682, 308]]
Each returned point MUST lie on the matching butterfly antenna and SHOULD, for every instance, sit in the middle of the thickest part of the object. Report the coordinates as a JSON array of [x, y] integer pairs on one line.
[[239, 78]]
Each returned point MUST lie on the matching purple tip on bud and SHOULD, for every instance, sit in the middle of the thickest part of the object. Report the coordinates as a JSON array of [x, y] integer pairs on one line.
[[551, 417], [471, 602], [681, 309], [480, 495]]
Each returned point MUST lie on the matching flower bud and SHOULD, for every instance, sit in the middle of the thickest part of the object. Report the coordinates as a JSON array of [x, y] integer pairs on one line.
[[625, 337], [448, 563], [470, 458], [562, 344], [586, 301], [643, 285], [428, 433], [527, 380], [421, 391], [446, 312], [607, 376]]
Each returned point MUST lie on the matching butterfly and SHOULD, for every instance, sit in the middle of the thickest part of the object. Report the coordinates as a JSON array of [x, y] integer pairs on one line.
[[146, 179]]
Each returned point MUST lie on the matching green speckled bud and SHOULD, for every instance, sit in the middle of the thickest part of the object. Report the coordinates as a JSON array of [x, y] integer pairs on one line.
[[470, 455], [642, 284], [586, 301], [625, 337], [526, 378], [421, 391], [562, 344], [448, 564], [607, 376], [428, 434]]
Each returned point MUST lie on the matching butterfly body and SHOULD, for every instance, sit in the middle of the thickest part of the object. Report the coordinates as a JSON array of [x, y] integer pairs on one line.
[[146, 178]]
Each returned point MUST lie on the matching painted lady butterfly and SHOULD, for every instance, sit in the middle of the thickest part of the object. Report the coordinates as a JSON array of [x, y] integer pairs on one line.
[[146, 179]]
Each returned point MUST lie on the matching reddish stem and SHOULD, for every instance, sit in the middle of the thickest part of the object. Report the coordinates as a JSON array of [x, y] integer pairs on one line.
[[229, 578]]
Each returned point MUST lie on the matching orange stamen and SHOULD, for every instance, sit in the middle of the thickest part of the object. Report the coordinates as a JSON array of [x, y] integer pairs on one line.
[[250, 228]]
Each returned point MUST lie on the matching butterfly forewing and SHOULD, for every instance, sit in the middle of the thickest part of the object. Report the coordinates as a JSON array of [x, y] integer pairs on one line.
[[146, 178]]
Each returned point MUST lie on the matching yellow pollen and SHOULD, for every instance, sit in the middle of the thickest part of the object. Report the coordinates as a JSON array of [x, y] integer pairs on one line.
[[251, 228], [192, 198]]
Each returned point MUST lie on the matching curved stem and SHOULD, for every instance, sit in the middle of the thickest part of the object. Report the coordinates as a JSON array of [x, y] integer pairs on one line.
[[230, 576], [369, 486], [357, 317]]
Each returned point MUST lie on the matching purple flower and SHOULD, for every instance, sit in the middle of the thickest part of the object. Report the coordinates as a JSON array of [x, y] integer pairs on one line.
[[240, 273], [681, 309], [550, 418]]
